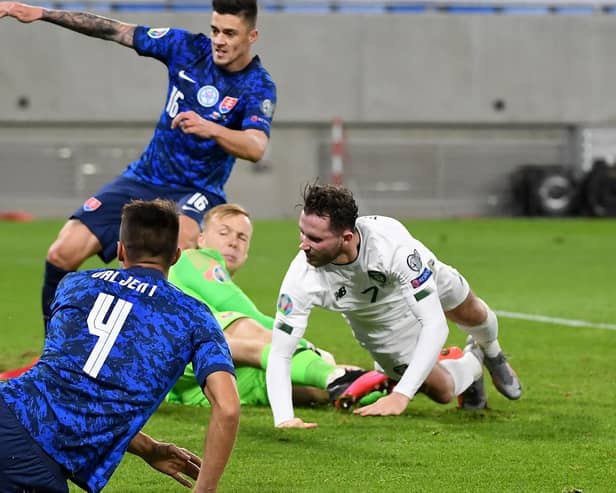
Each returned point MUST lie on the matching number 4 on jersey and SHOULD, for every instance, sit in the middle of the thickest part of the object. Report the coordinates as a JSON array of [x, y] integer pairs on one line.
[[107, 331]]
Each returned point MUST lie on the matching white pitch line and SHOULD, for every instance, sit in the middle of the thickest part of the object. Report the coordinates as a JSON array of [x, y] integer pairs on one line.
[[554, 320]]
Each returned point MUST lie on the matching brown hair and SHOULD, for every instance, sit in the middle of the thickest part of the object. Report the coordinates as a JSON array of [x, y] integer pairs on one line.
[[331, 201], [150, 229]]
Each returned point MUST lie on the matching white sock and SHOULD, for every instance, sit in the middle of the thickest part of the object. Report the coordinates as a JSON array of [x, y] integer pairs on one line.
[[464, 371], [486, 333]]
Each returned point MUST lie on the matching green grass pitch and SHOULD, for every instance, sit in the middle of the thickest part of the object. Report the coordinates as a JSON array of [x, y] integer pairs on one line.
[[560, 437]]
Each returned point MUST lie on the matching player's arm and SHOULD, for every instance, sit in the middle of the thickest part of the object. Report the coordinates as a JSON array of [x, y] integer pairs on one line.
[[419, 288], [166, 458], [278, 379], [249, 144], [431, 339], [220, 389], [86, 23]]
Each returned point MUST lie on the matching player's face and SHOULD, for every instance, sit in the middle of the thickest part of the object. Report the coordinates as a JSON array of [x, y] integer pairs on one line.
[[321, 245], [230, 235], [231, 38]]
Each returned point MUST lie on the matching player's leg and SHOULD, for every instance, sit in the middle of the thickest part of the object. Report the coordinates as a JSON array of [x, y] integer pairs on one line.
[[474, 316], [463, 378], [250, 344], [192, 206], [189, 232], [309, 396], [75, 243], [24, 466]]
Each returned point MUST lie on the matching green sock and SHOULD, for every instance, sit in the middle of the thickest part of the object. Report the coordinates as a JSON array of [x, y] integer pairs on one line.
[[307, 367]]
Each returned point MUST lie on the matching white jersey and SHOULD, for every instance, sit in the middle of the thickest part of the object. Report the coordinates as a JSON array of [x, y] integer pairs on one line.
[[388, 294]]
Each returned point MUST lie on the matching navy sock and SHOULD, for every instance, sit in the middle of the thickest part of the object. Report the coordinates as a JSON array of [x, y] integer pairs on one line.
[[51, 279]]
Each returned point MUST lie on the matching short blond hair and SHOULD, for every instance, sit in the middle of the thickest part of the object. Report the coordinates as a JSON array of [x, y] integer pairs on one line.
[[224, 210]]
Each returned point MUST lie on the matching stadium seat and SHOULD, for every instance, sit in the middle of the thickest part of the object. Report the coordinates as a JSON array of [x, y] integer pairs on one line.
[[525, 10], [471, 9], [406, 9], [574, 10], [360, 9]]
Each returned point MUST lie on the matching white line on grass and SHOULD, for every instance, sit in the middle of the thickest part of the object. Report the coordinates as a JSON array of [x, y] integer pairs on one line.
[[554, 320]]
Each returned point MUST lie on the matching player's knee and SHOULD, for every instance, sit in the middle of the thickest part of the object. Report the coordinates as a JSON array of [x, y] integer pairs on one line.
[[58, 257], [64, 257], [473, 311]]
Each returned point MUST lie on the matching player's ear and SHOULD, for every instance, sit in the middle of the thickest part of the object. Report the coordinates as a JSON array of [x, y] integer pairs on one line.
[[176, 257], [121, 255], [347, 236], [253, 35]]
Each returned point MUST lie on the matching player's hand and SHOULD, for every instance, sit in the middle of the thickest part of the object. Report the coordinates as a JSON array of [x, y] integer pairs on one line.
[[20, 11], [296, 423], [174, 461], [390, 405], [192, 123]]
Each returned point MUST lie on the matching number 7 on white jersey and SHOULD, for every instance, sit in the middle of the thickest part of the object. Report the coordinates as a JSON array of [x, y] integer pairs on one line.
[[107, 332]]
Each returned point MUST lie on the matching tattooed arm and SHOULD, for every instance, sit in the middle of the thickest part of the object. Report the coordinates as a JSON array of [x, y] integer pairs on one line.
[[81, 22]]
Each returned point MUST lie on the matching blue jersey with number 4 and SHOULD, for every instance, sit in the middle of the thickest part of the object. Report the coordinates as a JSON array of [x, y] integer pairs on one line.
[[236, 100], [116, 343]]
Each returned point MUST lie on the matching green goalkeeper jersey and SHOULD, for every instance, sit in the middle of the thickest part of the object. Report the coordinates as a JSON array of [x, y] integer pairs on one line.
[[202, 274]]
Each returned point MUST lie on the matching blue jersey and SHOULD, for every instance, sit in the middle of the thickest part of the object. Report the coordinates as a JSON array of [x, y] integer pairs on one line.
[[116, 343], [236, 100]]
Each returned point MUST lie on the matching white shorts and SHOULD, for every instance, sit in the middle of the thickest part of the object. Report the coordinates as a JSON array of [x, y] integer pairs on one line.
[[451, 285], [391, 346]]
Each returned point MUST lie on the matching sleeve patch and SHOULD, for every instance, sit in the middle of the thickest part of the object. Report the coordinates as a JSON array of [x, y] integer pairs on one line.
[[156, 33], [422, 294], [285, 304], [423, 277], [285, 328]]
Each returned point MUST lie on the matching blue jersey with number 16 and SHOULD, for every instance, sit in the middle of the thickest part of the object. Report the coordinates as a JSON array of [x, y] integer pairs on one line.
[[237, 100], [116, 343]]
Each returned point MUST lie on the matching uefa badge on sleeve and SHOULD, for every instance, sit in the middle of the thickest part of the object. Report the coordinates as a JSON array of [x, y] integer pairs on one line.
[[285, 304]]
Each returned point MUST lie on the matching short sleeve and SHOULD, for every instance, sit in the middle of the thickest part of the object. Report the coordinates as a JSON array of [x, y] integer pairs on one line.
[[162, 43], [260, 105]]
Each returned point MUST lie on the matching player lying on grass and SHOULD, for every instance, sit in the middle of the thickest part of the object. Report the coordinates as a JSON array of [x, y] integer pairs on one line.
[[205, 274], [118, 340], [392, 291]]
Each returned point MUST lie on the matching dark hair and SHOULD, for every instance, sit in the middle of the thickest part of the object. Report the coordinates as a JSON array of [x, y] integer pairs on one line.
[[331, 201], [150, 229], [247, 9]]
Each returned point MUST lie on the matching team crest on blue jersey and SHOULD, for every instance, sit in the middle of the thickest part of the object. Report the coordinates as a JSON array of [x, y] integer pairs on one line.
[[285, 304], [227, 104], [414, 261], [91, 204], [157, 32], [208, 96]]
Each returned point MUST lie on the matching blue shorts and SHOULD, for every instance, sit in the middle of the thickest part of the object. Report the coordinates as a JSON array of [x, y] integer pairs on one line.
[[24, 465], [102, 212]]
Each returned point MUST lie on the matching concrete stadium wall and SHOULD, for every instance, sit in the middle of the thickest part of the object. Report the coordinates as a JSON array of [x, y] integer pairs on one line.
[[428, 100]]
